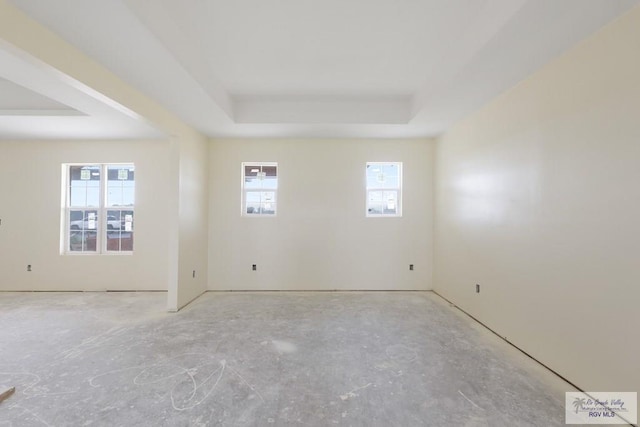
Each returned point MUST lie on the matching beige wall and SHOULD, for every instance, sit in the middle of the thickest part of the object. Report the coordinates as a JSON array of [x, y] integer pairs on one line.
[[30, 209], [193, 219], [320, 238], [537, 200]]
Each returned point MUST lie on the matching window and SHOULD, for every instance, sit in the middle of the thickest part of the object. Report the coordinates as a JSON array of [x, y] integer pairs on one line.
[[259, 188], [384, 187], [99, 208]]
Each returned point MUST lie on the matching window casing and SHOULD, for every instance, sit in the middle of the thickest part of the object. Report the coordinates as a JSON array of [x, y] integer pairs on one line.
[[259, 188], [99, 208], [384, 189]]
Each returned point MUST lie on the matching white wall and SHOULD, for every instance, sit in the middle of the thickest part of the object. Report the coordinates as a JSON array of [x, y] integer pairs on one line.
[[537, 200], [193, 219], [320, 238], [30, 209]]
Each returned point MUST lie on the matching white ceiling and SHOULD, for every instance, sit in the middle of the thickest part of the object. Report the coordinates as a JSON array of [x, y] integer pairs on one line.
[[17, 99], [330, 68]]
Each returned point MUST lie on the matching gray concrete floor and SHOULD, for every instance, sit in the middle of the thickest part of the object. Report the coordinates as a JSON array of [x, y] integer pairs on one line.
[[317, 359]]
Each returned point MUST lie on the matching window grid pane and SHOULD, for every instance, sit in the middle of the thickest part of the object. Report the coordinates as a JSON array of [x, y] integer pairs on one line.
[[119, 230], [82, 228], [84, 186], [120, 186]]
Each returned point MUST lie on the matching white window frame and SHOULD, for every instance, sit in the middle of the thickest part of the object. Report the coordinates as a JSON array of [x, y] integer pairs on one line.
[[398, 189], [101, 209], [244, 190]]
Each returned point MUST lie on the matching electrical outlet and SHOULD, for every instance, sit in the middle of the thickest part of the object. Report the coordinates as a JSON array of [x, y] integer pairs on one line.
[[29, 267], [477, 288], [411, 267], [254, 267]]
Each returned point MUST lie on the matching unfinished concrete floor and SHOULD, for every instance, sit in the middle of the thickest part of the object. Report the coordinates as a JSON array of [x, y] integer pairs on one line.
[[317, 359]]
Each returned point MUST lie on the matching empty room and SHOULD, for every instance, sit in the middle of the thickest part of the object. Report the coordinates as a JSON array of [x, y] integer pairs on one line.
[[298, 212]]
